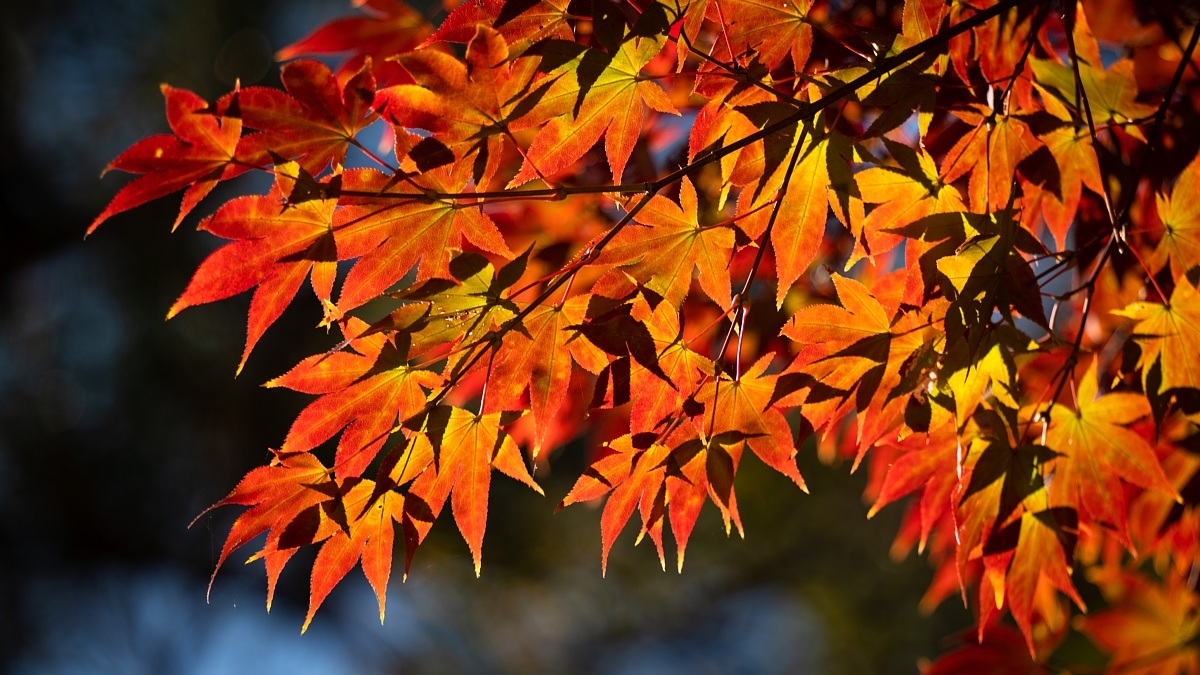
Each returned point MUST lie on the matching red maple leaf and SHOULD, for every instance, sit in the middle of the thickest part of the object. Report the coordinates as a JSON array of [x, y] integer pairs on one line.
[[314, 121], [276, 244], [197, 157]]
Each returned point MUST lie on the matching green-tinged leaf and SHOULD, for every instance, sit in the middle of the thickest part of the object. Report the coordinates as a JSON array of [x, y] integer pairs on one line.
[[1169, 336]]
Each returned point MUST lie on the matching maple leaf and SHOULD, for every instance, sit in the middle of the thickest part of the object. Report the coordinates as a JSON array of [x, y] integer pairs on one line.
[[1001, 515], [998, 653], [277, 494], [673, 243], [762, 159], [367, 393], [521, 23], [369, 538], [659, 481], [774, 30], [439, 313], [619, 329], [921, 19], [829, 371], [1029, 555], [988, 273], [389, 27], [730, 117], [924, 351], [996, 479], [197, 157], [466, 447], [390, 240], [1162, 523], [903, 195], [1111, 93], [635, 475], [1180, 243], [990, 151], [908, 89], [800, 222], [314, 121], [995, 47], [1149, 628], [744, 405], [1097, 451], [537, 357], [927, 463], [1169, 336], [593, 95], [704, 466], [471, 107], [276, 245], [989, 373], [653, 399], [849, 356], [1060, 191]]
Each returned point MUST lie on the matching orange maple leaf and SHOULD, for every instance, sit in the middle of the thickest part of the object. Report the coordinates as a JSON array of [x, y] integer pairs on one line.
[[593, 95], [1098, 451], [466, 447]]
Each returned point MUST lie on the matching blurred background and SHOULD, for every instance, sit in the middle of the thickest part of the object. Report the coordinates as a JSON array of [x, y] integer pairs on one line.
[[117, 428]]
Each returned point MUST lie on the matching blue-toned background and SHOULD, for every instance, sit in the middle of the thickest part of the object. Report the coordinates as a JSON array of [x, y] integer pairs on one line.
[[117, 428]]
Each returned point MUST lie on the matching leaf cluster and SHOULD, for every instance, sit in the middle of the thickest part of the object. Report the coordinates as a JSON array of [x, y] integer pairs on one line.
[[957, 242]]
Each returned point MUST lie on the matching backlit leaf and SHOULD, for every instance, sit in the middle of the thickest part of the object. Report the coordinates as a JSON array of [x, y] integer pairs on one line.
[[1169, 336], [466, 449], [1097, 450], [197, 157]]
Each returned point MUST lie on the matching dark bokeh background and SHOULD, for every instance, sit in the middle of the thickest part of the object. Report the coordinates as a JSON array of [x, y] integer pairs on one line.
[[117, 428]]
